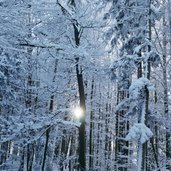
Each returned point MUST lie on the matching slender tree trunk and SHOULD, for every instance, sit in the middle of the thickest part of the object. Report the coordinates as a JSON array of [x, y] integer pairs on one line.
[[82, 133], [82, 150], [30, 156], [45, 149], [4, 152], [122, 126], [51, 108], [154, 139], [91, 129], [79, 74], [147, 75], [166, 100], [21, 167], [107, 139]]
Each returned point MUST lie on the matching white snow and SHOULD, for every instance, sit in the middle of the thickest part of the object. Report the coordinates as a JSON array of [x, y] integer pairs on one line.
[[138, 85], [139, 132]]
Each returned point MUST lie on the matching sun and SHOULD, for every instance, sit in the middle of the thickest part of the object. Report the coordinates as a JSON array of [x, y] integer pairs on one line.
[[78, 112]]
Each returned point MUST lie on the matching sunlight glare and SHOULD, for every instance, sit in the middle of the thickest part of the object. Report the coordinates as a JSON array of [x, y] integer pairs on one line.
[[78, 112]]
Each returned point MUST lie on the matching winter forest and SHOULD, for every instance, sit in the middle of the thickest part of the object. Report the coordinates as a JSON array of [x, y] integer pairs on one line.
[[85, 85]]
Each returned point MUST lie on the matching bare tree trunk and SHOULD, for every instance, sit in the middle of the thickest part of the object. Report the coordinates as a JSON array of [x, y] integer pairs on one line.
[[22, 151], [82, 144], [82, 150], [4, 152], [147, 75], [91, 145], [51, 107], [30, 156], [166, 104], [166, 100], [45, 149], [154, 139], [79, 74], [122, 126]]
